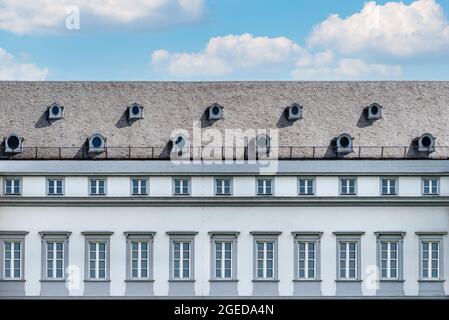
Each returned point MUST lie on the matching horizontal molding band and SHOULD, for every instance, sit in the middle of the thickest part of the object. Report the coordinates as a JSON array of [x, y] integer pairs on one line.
[[222, 202]]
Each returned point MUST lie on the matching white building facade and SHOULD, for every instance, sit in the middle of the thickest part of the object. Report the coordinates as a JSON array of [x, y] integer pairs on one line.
[[331, 224]]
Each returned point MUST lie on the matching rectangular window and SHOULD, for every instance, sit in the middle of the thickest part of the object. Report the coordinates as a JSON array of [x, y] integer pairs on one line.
[[97, 260], [140, 259], [181, 259], [430, 186], [306, 186], [12, 259], [264, 187], [306, 259], [223, 259], [430, 251], [389, 263], [223, 187], [12, 187], [55, 259], [97, 187], [181, 186], [139, 187], [389, 186], [347, 186], [55, 187], [265, 259], [347, 259]]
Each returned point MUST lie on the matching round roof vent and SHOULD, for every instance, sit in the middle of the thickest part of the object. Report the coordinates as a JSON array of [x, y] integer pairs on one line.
[[13, 144]]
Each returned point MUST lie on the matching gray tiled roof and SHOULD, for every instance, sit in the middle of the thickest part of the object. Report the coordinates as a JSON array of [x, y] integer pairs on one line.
[[330, 108]]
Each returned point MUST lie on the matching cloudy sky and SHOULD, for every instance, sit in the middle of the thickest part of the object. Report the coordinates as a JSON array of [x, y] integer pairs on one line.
[[224, 40]]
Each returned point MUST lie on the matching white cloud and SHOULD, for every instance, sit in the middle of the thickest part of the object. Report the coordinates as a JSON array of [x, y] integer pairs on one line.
[[38, 16], [12, 69], [394, 28], [233, 55]]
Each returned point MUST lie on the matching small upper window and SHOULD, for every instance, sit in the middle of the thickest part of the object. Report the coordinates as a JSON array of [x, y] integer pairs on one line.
[[97, 143], [389, 186], [139, 187], [264, 187], [347, 186], [135, 112], [223, 186], [12, 187], [55, 111], [97, 187], [55, 187], [306, 186], [13, 144], [430, 186], [181, 186]]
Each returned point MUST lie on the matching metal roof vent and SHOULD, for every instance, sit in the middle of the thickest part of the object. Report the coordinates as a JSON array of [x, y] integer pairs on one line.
[[13, 144], [426, 143], [343, 143], [373, 111], [263, 144], [179, 144], [215, 112], [97, 143], [135, 112], [55, 112], [294, 112]]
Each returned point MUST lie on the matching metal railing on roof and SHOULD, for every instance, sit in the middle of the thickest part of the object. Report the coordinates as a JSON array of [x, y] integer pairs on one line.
[[224, 153]]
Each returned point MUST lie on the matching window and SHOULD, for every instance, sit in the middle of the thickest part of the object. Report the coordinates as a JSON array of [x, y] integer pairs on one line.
[[55, 254], [389, 254], [307, 245], [222, 187], [97, 187], [139, 187], [55, 187], [430, 259], [97, 255], [181, 255], [223, 255], [348, 255], [139, 253], [430, 186], [181, 186], [12, 248], [306, 186], [388, 187], [347, 186], [12, 187], [264, 187], [265, 247]]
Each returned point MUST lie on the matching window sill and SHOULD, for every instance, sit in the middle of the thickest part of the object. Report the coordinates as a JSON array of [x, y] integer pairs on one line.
[[181, 280], [223, 280], [265, 280], [139, 280], [391, 280], [307, 280], [348, 280], [53, 280], [97, 280], [12, 280], [431, 280]]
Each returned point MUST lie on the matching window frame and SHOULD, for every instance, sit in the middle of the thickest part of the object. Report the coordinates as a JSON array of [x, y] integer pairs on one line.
[[230, 186], [182, 236], [395, 179], [189, 183], [349, 236], [48, 186], [12, 236], [54, 236], [271, 179], [390, 236], [340, 186], [431, 237], [438, 186], [140, 194], [97, 236], [223, 236], [20, 179], [309, 237], [266, 236], [139, 236], [105, 186], [313, 186]]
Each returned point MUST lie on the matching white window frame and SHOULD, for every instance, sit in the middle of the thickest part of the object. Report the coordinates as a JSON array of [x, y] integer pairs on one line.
[[49, 179], [12, 237], [224, 237], [97, 186], [389, 186], [308, 182], [348, 186], [97, 237], [182, 181], [222, 180], [308, 238], [390, 237], [54, 237], [264, 186], [265, 238], [13, 187], [431, 237], [139, 186], [430, 179], [182, 237], [349, 237], [139, 237]]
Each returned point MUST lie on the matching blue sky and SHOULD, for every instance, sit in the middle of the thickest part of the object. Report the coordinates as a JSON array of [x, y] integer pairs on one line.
[[254, 40]]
